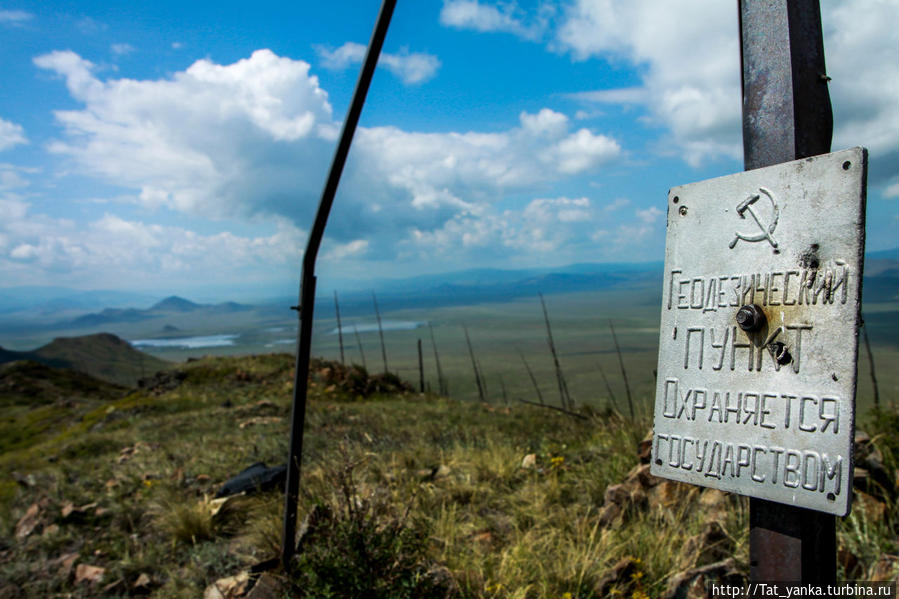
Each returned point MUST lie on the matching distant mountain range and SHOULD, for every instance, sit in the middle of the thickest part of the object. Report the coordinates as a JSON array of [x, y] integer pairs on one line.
[[102, 355], [56, 308], [170, 305]]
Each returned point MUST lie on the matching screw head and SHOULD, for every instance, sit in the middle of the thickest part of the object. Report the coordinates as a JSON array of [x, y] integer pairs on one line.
[[683, 211], [750, 317]]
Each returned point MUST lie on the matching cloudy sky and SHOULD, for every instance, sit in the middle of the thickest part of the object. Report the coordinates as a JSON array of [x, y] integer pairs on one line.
[[174, 147]]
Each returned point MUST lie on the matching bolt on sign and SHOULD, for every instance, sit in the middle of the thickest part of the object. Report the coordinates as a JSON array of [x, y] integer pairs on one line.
[[759, 332]]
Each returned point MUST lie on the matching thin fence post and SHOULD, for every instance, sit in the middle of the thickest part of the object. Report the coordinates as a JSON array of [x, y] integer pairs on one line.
[[421, 369], [339, 328], [380, 332]]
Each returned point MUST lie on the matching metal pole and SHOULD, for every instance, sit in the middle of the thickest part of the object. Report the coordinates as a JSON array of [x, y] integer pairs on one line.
[[786, 116], [307, 286]]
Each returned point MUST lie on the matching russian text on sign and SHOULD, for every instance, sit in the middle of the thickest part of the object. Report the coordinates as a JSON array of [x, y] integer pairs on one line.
[[763, 408]]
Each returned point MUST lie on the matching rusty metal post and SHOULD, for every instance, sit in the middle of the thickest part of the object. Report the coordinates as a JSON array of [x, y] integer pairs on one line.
[[307, 285], [786, 116]]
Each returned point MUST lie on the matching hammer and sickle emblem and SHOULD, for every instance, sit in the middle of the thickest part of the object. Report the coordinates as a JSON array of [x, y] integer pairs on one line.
[[765, 232]]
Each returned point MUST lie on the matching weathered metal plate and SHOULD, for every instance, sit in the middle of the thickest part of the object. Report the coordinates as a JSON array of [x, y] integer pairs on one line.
[[735, 410]]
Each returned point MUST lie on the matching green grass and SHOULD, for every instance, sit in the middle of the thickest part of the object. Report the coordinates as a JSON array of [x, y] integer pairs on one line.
[[417, 495]]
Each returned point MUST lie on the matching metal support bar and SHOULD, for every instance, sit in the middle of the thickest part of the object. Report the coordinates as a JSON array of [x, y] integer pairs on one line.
[[786, 116], [307, 285]]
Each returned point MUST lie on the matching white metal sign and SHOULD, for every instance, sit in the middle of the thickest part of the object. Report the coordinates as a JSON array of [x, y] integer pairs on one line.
[[759, 332]]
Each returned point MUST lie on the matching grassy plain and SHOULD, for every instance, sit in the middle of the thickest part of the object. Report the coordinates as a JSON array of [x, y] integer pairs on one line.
[[415, 495]]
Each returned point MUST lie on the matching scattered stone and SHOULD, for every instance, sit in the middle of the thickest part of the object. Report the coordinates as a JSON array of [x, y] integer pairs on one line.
[[66, 562], [529, 461], [88, 573], [850, 562], [27, 523], [711, 545], [693, 583], [871, 508], [268, 586], [644, 448], [51, 530], [113, 585], [142, 584], [260, 420], [885, 569], [24, 480], [228, 588], [714, 504], [870, 474], [70, 512], [619, 580], [484, 537], [162, 381]]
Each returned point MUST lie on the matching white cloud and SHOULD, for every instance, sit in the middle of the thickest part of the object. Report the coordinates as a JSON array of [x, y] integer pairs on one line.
[[688, 54], [862, 46], [14, 17], [410, 68], [122, 49], [505, 17], [650, 215], [253, 140], [11, 134], [37, 249], [11, 176]]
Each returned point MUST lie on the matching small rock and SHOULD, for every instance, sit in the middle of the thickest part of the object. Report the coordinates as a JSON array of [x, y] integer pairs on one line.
[[24, 480], [51, 530], [88, 573], [712, 544], [644, 448], [66, 562], [529, 461], [142, 583], [886, 568], [113, 585], [609, 515], [693, 583], [267, 587], [260, 420], [27, 523], [872, 509], [619, 580], [850, 562], [70, 512], [228, 588]]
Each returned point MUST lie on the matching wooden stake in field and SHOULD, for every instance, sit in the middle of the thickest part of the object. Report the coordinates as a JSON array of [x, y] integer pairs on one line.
[[564, 397], [871, 363], [608, 388], [380, 331], [359, 343], [627, 387], [421, 369], [533, 379], [442, 385], [474, 367], [339, 327]]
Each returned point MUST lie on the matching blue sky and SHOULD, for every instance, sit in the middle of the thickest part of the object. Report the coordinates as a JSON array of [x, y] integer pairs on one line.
[[182, 147]]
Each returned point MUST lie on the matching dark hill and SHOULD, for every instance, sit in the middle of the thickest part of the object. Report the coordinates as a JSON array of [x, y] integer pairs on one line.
[[25, 382], [173, 303], [103, 356]]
